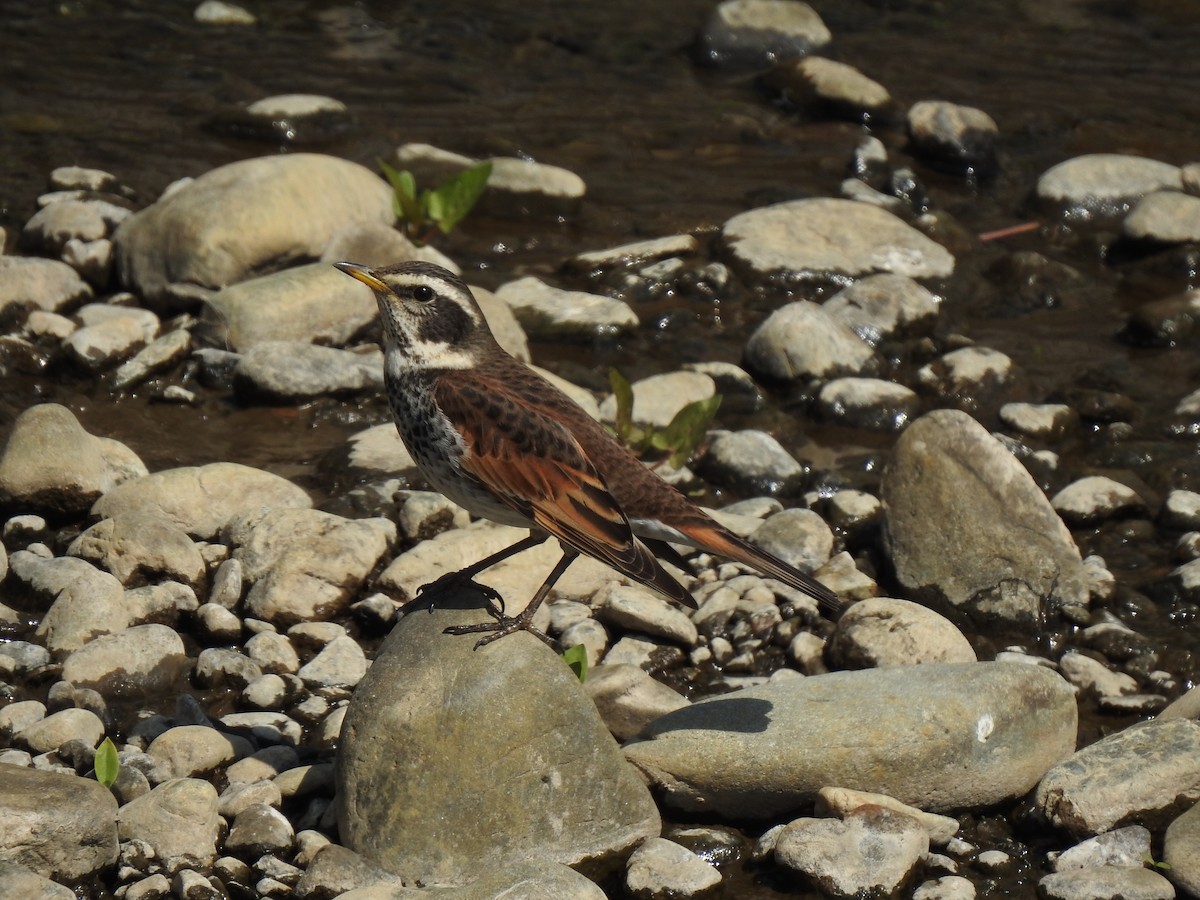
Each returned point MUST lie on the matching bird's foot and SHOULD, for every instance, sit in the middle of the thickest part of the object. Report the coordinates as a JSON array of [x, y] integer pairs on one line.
[[427, 594], [502, 626]]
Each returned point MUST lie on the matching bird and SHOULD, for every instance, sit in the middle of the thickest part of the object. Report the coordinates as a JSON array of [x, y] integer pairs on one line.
[[498, 439]]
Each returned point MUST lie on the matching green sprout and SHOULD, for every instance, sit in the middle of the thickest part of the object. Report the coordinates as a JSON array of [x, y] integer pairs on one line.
[[576, 658], [429, 212], [106, 764], [679, 440]]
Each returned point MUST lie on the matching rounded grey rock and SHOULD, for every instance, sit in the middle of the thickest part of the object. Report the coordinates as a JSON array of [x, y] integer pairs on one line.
[[178, 820], [203, 500], [802, 341], [662, 868], [658, 398], [765, 751], [959, 138], [1014, 554], [629, 699], [240, 218], [61, 826], [140, 546], [57, 728], [1164, 216], [827, 239], [750, 460], [799, 537], [967, 374], [55, 224], [868, 403], [534, 771], [1126, 882], [550, 313], [885, 306], [1181, 850], [1129, 846], [83, 601], [141, 659], [1104, 184], [188, 751], [259, 829], [815, 81], [1045, 421], [51, 464], [637, 608], [747, 32], [293, 372], [1094, 498], [882, 631]]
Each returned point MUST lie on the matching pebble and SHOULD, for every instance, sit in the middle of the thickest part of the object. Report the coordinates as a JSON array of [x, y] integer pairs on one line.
[[636, 253], [218, 12], [189, 751], [749, 32], [885, 307], [1103, 185], [657, 399], [46, 284], [826, 238], [550, 313], [293, 372], [1044, 421], [259, 829], [1181, 511], [948, 887], [868, 403], [752, 461], [840, 802], [967, 374], [628, 698], [222, 667], [1138, 772], [1167, 217], [871, 850], [959, 139], [140, 546], [799, 537], [217, 625], [1095, 498], [50, 733], [815, 82], [178, 822], [663, 868], [273, 653], [340, 664], [157, 356], [636, 608], [1129, 846], [1106, 883], [141, 659], [1090, 674], [801, 341], [1179, 850], [882, 631]]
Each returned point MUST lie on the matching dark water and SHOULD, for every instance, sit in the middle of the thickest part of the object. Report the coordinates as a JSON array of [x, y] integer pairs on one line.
[[609, 91]]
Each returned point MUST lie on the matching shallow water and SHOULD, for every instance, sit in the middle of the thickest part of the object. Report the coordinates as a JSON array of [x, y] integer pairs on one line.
[[608, 90]]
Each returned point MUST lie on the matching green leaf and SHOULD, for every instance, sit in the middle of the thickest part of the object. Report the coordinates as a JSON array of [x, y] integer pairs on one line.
[[688, 428], [405, 204], [623, 394], [106, 764], [450, 202], [576, 658]]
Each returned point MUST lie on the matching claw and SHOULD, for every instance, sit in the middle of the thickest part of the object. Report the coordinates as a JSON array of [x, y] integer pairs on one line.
[[501, 627]]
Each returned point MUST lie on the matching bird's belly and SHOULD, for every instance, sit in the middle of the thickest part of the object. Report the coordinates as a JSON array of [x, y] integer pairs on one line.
[[467, 494]]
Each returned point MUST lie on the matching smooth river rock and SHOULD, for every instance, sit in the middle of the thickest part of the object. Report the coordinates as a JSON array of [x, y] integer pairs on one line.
[[938, 737], [533, 773]]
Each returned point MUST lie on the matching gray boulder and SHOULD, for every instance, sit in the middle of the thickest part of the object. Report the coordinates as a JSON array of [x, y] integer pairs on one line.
[[1013, 559], [243, 218], [534, 774]]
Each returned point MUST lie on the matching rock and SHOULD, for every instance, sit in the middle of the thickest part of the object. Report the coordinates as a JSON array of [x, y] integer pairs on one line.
[[51, 465], [881, 631], [218, 12], [841, 802], [294, 372], [765, 751], [157, 356], [304, 564], [868, 403], [1138, 774], [629, 699], [658, 398], [56, 729], [959, 139], [638, 608], [178, 820], [1179, 850], [884, 307], [1044, 421], [289, 119], [273, 652], [550, 313], [799, 537], [800, 341], [91, 259], [259, 829], [752, 461], [222, 667], [1128, 846], [65, 178], [203, 500], [662, 868], [139, 660], [967, 375], [83, 601], [1016, 555], [138, 546], [1095, 498], [828, 86], [96, 348], [32, 283], [823, 239], [55, 224], [637, 253], [241, 218], [872, 850], [23, 882], [1181, 511], [1090, 674], [1103, 185], [1164, 216], [341, 664], [1124, 882], [61, 826], [309, 304], [748, 32], [193, 751], [535, 773]]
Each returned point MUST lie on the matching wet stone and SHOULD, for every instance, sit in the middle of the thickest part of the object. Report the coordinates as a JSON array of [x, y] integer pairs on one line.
[[550, 313], [657, 399], [868, 403], [145, 658], [1125, 882], [32, 283], [960, 139], [827, 85], [1103, 184], [1129, 846], [663, 868], [801, 341], [292, 372], [1164, 216], [218, 12], [1095, 498], [178, 822], [750, 32], [750, 460], [1045, 421], [1181, 850], [967, 374], [158, 356], [885, 306]]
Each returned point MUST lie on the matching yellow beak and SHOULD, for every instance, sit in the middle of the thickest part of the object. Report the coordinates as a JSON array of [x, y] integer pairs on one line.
[[363, 274]]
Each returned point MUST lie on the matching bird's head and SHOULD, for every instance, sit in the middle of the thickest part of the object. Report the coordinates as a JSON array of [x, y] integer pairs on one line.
[[430, 318]]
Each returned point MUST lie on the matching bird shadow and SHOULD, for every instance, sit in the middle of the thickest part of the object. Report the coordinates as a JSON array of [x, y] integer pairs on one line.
[[454, 591], [728, 712]]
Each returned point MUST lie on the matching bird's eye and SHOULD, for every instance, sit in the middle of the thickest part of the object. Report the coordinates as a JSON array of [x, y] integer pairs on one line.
[[423, 293]]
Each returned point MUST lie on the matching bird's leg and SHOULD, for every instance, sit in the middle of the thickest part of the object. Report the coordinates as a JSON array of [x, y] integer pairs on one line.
[[427, 593], [523, 621]]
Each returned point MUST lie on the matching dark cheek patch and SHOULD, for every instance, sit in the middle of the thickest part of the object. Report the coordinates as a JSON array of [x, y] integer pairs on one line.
[[449, 323]]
